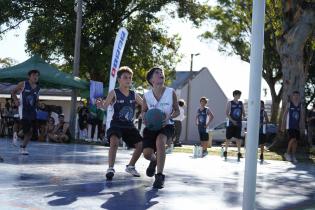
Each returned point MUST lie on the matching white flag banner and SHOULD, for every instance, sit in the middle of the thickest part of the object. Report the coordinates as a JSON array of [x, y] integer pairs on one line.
[[119, 46]]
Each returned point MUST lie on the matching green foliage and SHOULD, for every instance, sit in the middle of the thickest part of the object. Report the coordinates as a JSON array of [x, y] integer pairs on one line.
[[231, 20], [52, 30], [6, 62]]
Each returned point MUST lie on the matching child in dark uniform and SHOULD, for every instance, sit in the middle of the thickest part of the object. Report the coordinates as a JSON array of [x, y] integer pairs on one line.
[[121, 125], [203, 118], [262, 130]]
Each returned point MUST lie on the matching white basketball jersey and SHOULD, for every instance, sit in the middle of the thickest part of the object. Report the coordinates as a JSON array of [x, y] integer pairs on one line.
[[165, 103]]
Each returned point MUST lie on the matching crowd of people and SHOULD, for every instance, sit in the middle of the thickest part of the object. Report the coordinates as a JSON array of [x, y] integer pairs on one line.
[[36, 118]]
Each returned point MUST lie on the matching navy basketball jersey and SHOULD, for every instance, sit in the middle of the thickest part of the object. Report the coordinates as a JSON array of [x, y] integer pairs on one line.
[[124, 109], [236, 112], [293, 117], [202, 116], [262, 127], [28, 101]]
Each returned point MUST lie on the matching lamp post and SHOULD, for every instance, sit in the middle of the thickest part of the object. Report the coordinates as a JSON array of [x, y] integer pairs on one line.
[[188, 94], [76, 64]]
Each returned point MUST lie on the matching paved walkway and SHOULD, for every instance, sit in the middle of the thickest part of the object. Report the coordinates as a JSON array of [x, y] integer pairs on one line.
[[56, 176]]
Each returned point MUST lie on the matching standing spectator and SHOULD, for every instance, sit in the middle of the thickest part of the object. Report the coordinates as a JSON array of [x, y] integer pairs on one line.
[[291, 123], [311, 125], [16, 125], [92, 121], [50, 128], [83, 121], [178, 123], [42, 117], [203, 118], [262, 130]]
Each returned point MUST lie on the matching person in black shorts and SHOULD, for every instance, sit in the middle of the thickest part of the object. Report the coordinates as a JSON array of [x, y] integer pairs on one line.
[[291, 123], [165, 99], [235, 113], [262, 130], [203, 118], [121, 125], [28, 102]]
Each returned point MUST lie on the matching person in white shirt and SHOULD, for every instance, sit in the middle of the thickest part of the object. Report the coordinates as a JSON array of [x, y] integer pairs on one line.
[[178, 123], [165, 99]]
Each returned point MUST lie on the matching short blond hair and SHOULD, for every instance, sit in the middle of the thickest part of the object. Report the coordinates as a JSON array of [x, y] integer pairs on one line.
[[124, 69]]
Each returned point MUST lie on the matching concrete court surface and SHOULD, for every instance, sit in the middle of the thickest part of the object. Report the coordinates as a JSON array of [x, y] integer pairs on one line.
[[57, 176]]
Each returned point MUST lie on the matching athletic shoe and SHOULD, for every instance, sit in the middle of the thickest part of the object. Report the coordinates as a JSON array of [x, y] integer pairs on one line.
[[15, 140], [204, 153], [132, 170], [239, 156], [159, 181], [151, 168], [1, 159], [294, 160], [168, 150], [23, 151], [287, 157], [225, 155], [177, 144], [110, 173]]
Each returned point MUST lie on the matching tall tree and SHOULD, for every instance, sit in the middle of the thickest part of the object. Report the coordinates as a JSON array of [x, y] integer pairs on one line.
[[232, 29], [6, 62], [52, 28], [298, 27]]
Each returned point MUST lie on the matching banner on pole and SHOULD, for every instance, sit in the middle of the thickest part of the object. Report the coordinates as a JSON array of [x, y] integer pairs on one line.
[[119, 46]]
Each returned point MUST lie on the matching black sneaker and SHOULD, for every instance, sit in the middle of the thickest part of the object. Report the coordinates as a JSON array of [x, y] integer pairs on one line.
[[151, 168], [239, 156], [159, 181], [110, 173], [225, 155], [1, 159], [204, 153]]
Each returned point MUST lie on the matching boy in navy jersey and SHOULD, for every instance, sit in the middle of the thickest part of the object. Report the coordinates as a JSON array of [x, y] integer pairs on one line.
[[203, 118], [291, 123], [262, 130], [235, 113], [121, 125], [29, 93]]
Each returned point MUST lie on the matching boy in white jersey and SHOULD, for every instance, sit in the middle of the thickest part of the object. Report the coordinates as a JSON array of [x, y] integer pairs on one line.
[[165, 99], [121, 125]]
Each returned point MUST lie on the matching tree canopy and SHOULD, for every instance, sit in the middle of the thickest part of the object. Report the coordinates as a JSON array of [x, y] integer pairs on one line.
[[52, 29], [232, 29]]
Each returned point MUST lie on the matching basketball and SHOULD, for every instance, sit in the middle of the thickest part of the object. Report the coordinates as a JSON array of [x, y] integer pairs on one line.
[[154, 119]]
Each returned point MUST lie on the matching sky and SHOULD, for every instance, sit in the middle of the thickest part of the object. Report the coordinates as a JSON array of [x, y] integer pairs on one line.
[[230, 72]]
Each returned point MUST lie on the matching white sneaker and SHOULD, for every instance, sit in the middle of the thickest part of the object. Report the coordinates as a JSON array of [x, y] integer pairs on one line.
[[287, 157], [132, 170], [294, 160], [23, 151], [15, 141]]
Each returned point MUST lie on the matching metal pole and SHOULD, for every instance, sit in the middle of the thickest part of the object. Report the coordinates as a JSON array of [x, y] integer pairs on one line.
[[256, 61], [188, 94], [76, 64]]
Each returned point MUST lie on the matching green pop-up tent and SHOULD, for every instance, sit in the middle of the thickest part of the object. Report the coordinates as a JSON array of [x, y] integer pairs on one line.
[[50, 77]]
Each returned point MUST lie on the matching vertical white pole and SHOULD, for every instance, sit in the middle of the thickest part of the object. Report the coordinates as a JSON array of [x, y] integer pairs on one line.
[[256, 61]]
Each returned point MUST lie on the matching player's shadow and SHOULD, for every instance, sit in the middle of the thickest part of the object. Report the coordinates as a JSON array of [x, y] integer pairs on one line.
[[135, 198], [71, 195]]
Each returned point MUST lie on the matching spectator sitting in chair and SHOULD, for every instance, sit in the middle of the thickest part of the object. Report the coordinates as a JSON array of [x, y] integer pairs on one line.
[[61, 131]]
